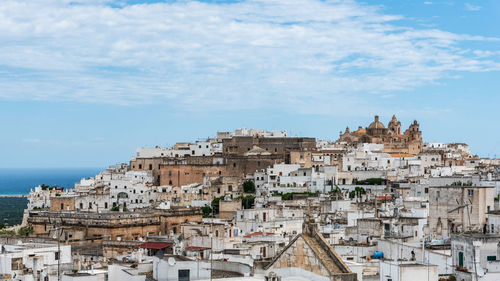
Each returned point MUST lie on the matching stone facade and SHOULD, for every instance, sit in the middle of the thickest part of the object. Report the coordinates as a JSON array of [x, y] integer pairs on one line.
[[238, 146], [458, 208], [113, 225], [310, 256], [228, 209], [62, 203], [395, 142]]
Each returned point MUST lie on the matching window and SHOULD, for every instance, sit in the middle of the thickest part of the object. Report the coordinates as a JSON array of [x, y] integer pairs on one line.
[[105, 205], [17, 264], [234, 165], [140, 166], [169, 183], [438, 194], [90, 205], [150, 166], [426, 190], [81, 205], [56, 256], [62, 206], [183, 275], [470, 192], [491, 258]]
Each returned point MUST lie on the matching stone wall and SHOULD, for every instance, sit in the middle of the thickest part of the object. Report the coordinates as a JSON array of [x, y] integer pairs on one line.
[[62, 203]]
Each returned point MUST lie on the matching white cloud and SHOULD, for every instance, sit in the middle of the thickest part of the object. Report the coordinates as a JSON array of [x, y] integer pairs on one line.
[[303, 55], [428, 3], [472, 8]]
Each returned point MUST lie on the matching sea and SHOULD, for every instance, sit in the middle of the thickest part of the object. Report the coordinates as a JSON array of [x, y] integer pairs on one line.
[[19, 181]]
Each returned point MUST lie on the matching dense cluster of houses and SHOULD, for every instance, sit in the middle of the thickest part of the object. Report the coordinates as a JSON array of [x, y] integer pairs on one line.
[[376, 204]]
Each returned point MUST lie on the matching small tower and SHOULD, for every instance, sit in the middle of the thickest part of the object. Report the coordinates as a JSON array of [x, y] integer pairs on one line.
[[394, 126]]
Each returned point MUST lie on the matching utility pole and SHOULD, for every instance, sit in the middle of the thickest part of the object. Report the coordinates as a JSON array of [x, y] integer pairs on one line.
[[211, 243], [58, 254], [58, 233]]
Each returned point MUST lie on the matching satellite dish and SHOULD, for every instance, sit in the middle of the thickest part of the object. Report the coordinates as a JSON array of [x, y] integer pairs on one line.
[[19, 242], [171, 261]]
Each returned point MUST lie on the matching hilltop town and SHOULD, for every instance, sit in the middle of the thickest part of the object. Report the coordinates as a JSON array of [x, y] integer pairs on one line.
[[376, 203]]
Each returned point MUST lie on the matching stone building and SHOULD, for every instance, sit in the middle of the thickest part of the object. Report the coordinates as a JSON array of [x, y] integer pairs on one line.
[[80, 226], [309, 256], [476, 256], [238, 146], [457, 208], [178, 174], [391, 137]]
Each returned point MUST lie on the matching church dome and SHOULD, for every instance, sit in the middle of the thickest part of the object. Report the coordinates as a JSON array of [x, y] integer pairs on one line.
[[376, 124], [360, 131]]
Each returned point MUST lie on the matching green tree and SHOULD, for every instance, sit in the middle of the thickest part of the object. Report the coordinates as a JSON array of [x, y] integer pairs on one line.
[[247, 201], [249, 186], [215, 204], [8, 232], [358, 190], [25, 230], [335, 190], [207, 211]]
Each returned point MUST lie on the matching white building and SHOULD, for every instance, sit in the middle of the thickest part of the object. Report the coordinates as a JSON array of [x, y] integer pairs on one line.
[[30, 261], [407, 271]]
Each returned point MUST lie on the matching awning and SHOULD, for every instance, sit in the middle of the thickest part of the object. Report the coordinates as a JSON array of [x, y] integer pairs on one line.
[[155, 245]]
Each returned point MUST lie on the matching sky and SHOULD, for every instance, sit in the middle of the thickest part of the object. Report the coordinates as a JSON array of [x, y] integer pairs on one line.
[[84, 83]]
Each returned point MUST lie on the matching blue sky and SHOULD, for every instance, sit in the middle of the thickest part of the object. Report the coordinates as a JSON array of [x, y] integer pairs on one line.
[[83, 83]]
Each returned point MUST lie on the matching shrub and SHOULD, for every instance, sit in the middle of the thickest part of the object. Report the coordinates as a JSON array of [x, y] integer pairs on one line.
[[207, 211], [247, 201], [25, 230], [215, 204], [357, 192], [249, 186]]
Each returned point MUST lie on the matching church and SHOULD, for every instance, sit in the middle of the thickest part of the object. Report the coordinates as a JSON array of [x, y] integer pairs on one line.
[[410, 142]]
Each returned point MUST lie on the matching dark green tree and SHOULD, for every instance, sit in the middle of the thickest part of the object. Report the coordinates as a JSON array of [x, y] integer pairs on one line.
[[215, 204], [248, 201], [358, 190], [249, 186], [207, 211]]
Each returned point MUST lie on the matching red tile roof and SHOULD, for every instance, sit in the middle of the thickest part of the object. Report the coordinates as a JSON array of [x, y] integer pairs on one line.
[[155, 245], [196, 248], [258, 234]]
